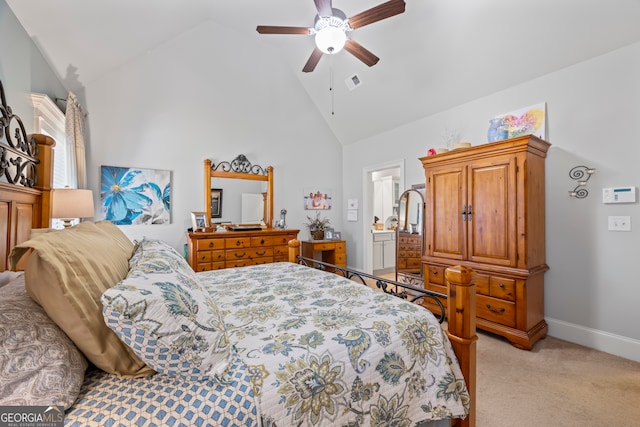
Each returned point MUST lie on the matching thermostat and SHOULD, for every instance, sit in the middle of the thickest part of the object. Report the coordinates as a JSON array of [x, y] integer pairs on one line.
[[619, 195]]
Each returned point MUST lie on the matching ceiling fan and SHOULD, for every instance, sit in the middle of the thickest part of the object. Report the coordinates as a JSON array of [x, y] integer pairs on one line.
[[330, 29]]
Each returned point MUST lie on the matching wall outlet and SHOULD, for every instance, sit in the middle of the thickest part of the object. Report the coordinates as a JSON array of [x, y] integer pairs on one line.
[[619, 223]]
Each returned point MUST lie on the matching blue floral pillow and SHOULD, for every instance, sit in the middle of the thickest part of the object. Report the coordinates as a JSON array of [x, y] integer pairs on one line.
[[163, 313]]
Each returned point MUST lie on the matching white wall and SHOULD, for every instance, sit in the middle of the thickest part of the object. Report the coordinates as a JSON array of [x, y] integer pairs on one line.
[[23, 69], [591, 289], [196, 97]]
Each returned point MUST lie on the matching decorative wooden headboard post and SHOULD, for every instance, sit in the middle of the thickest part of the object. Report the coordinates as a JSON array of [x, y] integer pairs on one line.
[[461, 328], [44, 183]]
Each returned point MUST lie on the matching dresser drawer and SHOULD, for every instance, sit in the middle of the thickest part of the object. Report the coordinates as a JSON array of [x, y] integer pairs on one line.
[[413, 263], [248, 253], [341, 259], [209, 256], [206, 266], [503, 288], [248, 261], [283, 240], [209, 244], [281, 251], [341, 247], [324, 246], [496, 310], [262, 241], [237, 242]]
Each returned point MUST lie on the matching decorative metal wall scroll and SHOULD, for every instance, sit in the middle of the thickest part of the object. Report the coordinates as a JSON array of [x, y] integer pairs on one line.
[[17, 153], [579, 173]]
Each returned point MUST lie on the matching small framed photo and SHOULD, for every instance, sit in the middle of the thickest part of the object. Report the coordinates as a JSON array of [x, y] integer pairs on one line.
[[216, 203], [337, 235], [199, 220], [328, 234]]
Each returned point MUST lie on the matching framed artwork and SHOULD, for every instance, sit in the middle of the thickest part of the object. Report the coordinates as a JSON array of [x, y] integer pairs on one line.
[[216, 203], [131, 196], [337, 235], [328, 234], [317, 199], [199, 220]]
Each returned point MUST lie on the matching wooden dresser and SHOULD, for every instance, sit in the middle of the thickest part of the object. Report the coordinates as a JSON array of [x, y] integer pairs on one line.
[[485, 209], [409, 252], [226, 249]]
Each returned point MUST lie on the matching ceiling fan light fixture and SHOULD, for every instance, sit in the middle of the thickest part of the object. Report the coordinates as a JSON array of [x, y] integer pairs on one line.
[[330, 39]]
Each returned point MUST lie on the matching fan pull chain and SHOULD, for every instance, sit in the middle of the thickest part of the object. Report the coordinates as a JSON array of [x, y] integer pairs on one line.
[[332, 92]]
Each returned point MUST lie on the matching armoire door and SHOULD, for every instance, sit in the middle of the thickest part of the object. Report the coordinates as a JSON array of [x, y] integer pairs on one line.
[[444, 220], [491, 211]]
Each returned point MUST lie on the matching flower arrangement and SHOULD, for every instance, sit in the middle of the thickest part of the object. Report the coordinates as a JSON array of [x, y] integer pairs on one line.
[[317, 223]]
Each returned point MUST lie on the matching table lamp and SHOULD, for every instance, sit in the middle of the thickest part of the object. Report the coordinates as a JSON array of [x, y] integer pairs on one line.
[[71, 203]]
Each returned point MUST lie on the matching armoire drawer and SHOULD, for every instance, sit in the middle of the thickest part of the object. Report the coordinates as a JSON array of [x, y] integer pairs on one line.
[[436, 275], [496, 310]]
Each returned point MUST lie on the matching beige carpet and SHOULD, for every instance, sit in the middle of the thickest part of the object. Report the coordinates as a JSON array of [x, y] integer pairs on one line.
[[555, 384]]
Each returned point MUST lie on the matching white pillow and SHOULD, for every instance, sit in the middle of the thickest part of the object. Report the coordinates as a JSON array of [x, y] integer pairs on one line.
[[163, 313]]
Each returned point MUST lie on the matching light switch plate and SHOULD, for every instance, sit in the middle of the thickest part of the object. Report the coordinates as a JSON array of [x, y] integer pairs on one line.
[[619, 223]]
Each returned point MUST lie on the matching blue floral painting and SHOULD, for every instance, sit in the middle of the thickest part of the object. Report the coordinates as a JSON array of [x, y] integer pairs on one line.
[[135, 196]]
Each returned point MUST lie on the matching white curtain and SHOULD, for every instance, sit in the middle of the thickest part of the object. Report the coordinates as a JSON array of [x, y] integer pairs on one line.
[[74, 129]]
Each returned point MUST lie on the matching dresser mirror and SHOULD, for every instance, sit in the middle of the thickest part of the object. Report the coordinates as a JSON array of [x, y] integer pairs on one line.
[[410, 237], [247, 189]]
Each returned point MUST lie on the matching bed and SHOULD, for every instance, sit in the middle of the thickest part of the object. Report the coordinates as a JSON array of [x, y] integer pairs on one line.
[[114, 332]]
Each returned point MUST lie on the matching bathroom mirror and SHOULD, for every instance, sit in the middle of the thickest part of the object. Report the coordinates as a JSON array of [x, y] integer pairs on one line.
[[410, 237], [250, 187]]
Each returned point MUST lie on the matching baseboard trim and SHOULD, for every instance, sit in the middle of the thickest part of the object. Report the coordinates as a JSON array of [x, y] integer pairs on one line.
[[618, 345]]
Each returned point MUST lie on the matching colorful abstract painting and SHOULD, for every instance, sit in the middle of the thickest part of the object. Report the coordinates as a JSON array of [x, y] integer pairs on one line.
[[135, 196], [526, 121]]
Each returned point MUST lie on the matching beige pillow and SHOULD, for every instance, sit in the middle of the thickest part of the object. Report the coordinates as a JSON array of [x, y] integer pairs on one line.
[[67, 273]]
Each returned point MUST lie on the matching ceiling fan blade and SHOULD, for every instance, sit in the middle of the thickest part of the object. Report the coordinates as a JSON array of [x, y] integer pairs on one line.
[[356, 49], [272, 29], [312, 61], [377, 13], [323, 7]]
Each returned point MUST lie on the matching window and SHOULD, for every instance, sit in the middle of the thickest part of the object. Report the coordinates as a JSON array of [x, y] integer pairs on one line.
[[49, 120]]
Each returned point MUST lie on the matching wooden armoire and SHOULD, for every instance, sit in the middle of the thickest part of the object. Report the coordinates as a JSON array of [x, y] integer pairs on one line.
[[485, 209]]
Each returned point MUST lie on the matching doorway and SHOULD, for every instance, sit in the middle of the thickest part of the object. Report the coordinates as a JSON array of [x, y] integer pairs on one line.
[[381, 184]]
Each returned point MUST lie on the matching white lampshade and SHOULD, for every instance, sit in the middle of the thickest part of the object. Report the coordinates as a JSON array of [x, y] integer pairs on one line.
[[330, 39], [71, 203]]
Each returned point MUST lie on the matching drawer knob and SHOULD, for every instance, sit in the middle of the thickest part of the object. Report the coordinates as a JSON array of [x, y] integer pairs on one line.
[[238, 243], [501, 285], [210, 244], [262, 242], [435, 273], [495, 310]]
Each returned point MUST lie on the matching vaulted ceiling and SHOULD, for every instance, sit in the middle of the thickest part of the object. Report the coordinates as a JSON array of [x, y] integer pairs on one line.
[[436, 55]]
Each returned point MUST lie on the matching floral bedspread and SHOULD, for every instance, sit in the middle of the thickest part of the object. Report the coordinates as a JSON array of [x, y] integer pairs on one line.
[[323, 350]]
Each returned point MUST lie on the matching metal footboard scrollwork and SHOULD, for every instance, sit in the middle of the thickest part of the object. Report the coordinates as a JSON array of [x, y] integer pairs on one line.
[[17, 154], [401, 290]]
